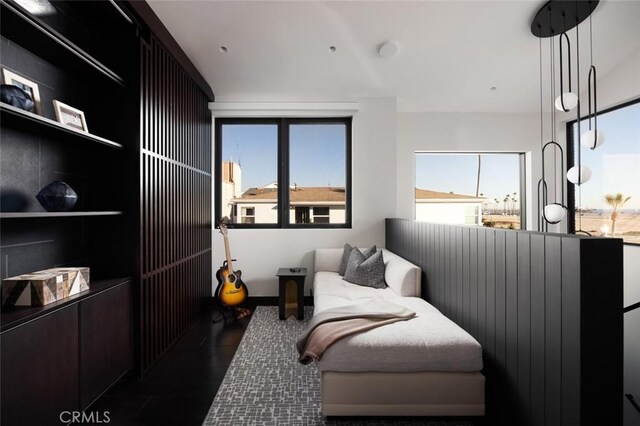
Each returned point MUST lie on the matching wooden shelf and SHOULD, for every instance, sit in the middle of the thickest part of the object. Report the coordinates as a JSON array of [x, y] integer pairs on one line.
[[27, 215], [19, 118], [14, 316], [29, 32]]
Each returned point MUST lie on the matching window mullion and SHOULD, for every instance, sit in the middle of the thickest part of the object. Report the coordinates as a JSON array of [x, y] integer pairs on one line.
[[283, 173]]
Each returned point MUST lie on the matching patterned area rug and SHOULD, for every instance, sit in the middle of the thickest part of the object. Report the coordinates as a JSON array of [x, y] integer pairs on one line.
[[266, 385]]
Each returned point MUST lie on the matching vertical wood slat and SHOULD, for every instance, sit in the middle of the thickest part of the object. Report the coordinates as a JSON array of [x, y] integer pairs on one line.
[[537, 330], [175, 270], [535, 303]]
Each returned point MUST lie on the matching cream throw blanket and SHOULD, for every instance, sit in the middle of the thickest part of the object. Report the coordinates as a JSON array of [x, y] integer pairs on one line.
[[331, 325]]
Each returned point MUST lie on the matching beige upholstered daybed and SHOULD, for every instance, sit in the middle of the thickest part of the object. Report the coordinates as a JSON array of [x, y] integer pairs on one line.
[[424, 366]]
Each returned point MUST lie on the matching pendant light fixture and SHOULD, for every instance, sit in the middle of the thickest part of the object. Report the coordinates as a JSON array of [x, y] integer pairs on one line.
[[567, 100], [556, 18], [592, 138]]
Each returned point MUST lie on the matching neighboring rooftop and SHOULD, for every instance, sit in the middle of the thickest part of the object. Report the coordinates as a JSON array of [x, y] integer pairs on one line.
[[426, 194], [301, 194]]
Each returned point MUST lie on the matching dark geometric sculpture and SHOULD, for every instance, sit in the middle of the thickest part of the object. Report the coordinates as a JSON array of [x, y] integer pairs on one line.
[[57, 197]]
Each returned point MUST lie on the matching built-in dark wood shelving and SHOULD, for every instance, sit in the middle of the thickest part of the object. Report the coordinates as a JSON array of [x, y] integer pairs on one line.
[[31, 33], [107, 11], [27, 215], [15, 316], [12, 116]]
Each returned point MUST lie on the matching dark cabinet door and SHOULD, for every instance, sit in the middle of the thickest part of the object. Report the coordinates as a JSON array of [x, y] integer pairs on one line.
[[106, 350], [40, 369]]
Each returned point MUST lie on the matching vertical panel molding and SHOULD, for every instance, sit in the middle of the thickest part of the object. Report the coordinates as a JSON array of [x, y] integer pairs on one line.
[[174, 271], [546, 308]]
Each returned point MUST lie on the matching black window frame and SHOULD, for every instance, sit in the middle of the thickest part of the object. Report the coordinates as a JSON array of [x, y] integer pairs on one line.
[[283, 173], [522, 159], [570, 142]]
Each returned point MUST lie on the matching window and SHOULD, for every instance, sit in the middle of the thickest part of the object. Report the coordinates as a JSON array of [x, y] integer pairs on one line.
[[471, 189], [321, 215], [249, 172], [248, 215], [284, 172], [608, 204]]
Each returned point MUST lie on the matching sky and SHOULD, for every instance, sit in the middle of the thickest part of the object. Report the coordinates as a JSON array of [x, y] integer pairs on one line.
[[615, 165], [317, 158], [317, 153], [499, 174]]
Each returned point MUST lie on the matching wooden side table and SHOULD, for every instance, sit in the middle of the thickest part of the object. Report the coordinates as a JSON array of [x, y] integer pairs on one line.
[[291, 291]]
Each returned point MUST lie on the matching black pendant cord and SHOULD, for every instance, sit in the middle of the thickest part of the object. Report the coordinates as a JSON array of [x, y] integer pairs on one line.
[[579, 146], [541, 183], [565, 37], [553, 127], [592, 83]]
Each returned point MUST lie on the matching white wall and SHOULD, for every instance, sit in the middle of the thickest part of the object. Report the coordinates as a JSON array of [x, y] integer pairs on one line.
[[451, 213], [422, 131], [260, 252]]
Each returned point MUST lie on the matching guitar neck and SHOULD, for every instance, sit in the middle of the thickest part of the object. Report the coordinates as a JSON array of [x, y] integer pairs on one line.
[[227, 251]]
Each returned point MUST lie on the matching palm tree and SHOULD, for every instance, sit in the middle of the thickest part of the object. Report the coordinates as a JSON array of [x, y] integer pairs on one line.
[[615, 201], [504, 207], [478, 176]]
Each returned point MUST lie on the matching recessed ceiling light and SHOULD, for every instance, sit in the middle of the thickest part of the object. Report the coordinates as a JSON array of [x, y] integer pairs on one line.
[[493, 88], [37, 7], [223, 49], [332, 48], [387, 49]]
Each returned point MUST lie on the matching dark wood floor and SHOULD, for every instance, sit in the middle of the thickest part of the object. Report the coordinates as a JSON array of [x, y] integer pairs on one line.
[[180, 389]]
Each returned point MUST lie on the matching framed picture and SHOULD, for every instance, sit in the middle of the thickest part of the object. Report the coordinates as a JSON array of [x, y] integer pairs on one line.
[[27, 85], [69, 116]]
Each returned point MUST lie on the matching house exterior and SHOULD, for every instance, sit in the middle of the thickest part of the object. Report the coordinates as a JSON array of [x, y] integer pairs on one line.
[[307, 205], [231, 186], [450, 208], [310, 204]]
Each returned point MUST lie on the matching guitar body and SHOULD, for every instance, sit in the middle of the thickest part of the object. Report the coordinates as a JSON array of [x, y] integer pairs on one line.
[[231, 291]]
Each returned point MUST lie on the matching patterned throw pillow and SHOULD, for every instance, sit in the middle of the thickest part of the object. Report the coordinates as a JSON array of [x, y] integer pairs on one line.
[[365, 271], [347, 252]]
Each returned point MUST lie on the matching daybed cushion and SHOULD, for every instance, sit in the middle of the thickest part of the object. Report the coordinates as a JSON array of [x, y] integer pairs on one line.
[[400, 275], [428, 342]]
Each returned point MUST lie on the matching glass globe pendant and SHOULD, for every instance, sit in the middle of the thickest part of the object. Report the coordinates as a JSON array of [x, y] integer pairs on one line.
[[566, 102], [589, 139], [554, 213], [578, 175]]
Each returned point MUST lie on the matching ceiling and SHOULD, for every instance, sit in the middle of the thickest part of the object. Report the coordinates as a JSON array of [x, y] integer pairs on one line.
[[450, 52]]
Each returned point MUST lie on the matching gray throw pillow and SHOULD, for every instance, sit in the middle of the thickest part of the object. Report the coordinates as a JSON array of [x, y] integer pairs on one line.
[[347, 252], [365, 271], [345, 259]]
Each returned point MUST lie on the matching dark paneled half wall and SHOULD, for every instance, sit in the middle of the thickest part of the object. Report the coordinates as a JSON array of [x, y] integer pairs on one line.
[[546, 308], [175, 207]]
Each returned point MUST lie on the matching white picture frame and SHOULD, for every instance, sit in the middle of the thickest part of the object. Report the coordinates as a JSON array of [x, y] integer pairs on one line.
[[70, 116], [25, 84]]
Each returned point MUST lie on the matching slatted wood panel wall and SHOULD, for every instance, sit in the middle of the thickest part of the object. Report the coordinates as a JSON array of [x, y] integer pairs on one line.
[[175, 212], [546, 308]]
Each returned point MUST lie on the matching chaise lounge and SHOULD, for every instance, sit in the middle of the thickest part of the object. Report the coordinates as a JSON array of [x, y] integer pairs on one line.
[[425, 366]]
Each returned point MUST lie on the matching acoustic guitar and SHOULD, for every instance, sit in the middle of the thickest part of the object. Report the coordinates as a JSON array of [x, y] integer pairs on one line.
[[231, 291]]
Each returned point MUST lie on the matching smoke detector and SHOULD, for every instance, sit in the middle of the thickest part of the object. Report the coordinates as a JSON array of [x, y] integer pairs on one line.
[[388, 49]]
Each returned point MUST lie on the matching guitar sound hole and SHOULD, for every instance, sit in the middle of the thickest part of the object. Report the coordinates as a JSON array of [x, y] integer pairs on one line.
[[231, 278]]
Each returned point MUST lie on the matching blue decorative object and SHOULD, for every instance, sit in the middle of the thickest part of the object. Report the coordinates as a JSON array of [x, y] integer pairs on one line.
[[15, 96], [57, 197]]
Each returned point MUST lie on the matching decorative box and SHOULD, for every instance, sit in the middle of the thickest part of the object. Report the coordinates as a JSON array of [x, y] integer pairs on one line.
[[44, 287]]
